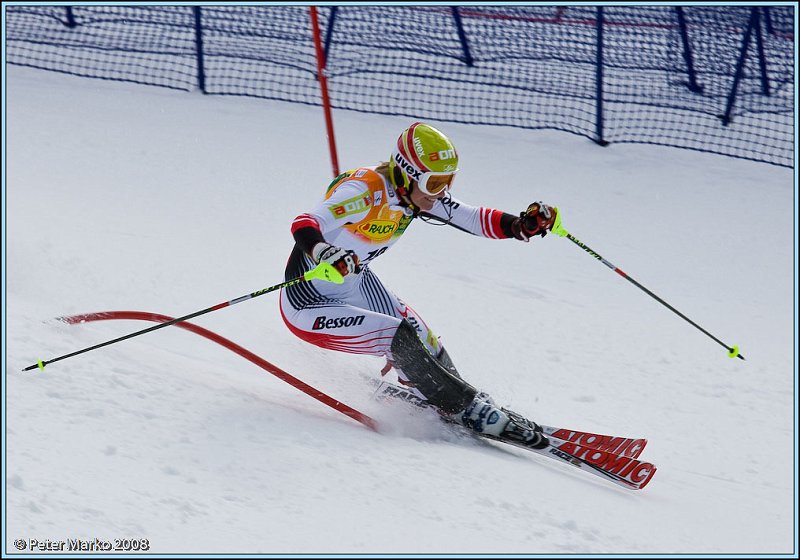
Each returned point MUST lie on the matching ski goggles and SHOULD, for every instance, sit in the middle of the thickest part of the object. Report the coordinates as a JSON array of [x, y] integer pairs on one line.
[[433, 183]]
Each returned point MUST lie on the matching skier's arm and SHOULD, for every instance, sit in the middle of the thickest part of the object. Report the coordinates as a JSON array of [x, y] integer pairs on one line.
[[306, 232], [349, 203], [487, 222]]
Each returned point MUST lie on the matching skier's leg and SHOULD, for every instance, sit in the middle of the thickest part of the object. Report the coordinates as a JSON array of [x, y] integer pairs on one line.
[[375, 296], [442, 389], [372, 320], [422, 362], [456, 399], [341, 326]]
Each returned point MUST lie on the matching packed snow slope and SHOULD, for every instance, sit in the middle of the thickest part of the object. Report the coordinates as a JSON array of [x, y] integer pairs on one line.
[[124, 197]]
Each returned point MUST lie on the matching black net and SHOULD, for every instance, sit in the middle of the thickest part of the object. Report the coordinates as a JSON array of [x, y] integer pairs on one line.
[[717, 79], [145, 45]]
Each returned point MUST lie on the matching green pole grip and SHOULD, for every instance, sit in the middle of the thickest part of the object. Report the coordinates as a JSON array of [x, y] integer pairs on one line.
[[326, 272], [557, 228]]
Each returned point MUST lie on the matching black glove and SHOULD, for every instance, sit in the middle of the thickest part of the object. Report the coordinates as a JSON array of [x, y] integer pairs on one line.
[[343, 260], [538, 219]]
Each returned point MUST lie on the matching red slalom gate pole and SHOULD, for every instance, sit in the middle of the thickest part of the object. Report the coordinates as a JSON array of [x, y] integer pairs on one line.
[[323, 86], [230, 345]]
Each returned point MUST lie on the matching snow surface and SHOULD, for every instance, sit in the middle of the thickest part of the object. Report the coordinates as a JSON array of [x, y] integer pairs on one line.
[[124, 197]]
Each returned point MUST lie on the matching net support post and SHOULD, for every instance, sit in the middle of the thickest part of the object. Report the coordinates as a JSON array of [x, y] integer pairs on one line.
[[762, 59], [462, 36], [737, 76], [198, 37], [598, 139], [687, 52], [768, 20], [71, 23], [329, 34]]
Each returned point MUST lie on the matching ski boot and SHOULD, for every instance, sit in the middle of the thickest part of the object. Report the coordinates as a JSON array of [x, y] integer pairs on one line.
[[484, 417]]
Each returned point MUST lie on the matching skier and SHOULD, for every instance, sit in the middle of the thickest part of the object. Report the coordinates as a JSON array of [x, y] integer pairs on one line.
[[364, 212]]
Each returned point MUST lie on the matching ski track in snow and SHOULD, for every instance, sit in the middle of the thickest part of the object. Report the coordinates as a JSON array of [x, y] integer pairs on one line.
[[124, 197]]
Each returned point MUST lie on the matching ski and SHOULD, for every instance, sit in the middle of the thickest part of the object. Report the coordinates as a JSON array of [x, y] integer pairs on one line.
[[388, 390], [627, 472], [626, 447]]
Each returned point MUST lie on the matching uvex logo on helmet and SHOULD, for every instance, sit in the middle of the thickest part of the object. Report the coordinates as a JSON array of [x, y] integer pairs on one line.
[[418, 146], [407, 167]]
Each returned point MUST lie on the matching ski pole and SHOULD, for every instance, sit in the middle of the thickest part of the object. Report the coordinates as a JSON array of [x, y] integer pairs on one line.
[[322, 271], [558, 229]]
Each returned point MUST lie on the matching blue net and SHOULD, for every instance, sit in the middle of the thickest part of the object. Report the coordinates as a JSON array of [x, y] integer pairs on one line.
[[716, 79]]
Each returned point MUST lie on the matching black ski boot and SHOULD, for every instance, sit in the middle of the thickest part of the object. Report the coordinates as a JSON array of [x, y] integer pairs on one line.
[[484, 417], [524, 431]]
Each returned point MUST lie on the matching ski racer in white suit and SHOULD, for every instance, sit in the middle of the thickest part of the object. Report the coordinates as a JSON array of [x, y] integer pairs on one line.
[[365, 211]]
